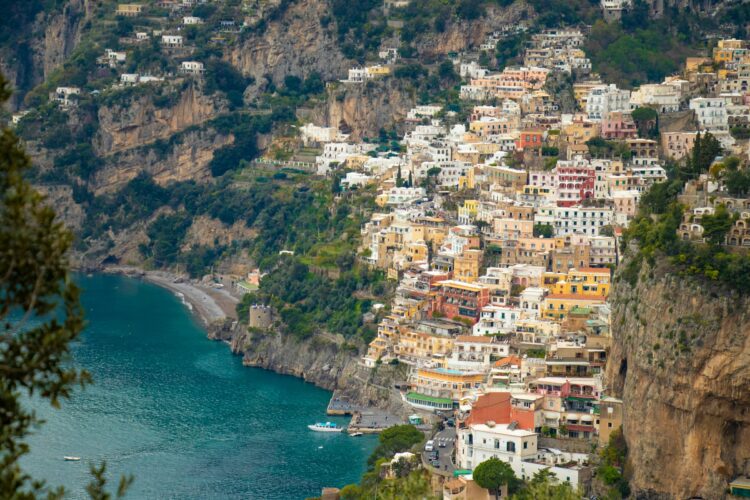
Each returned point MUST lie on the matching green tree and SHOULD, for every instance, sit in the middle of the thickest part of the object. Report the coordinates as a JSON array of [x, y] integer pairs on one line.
[[41, 315], [395, 440], [544, 486], [705, 150], [492, 474], [543, 230], [647, 121], [715, 226]]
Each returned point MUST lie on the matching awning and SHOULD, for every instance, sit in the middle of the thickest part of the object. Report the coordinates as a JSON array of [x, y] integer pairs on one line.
[[587, 418], [552, 416]]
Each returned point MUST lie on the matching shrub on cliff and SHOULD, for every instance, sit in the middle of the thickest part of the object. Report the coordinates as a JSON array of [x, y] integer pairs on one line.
[[396, 439]]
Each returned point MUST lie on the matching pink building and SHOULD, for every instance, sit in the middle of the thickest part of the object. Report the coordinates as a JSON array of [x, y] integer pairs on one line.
[[619, 125]]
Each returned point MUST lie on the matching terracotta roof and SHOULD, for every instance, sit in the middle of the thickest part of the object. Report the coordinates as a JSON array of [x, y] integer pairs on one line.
[[576, 296], [508, 360], [493, 406], [480, 339]]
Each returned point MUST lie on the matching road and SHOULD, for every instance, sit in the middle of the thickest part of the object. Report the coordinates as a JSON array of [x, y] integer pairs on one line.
[[447, 437]]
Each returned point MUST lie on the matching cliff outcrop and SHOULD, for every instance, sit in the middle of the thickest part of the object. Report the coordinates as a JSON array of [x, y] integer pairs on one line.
[[325, 360], [179, 159], [42, 44], [460, 36], [681, 362], [364, 109], [140, 121], [293, 43]]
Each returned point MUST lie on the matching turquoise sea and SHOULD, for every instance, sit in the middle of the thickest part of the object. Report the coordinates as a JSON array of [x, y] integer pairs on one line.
[[182, 414]]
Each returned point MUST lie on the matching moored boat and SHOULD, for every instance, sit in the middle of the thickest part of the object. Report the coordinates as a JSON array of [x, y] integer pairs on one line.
[[325, 427], [355, 434], [68, 458]]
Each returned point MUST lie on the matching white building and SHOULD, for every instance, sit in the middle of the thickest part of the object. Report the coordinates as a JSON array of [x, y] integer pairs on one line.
[[472, 70], [572, 220], [495, 320], [602, 251], [480, 442], [112, 58], [335, 152], [475, 353], [191, 20], [129, 78], [389, 54], [710, 112], [662, 97], [313, 134], [355, 179], [192, 68], [403, 195], [530, 301], [423, 111], [171, 41], [67, 96], [604, 99]]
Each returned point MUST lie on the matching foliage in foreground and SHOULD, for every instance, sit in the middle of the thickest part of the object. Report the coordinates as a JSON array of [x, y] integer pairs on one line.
[[41, 316]]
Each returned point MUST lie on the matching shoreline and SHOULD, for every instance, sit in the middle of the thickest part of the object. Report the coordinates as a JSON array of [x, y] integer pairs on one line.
[[209, 305]]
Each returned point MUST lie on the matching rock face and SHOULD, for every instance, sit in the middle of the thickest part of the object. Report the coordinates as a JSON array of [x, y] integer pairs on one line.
[[460, 36], [51, 38], [681, 362], [140, 122], [186, 159], [293, 44], [365, 108], [324, 360]]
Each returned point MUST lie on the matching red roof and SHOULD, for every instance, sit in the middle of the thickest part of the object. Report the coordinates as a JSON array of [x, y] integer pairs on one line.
[[508, 360], [494, 406]]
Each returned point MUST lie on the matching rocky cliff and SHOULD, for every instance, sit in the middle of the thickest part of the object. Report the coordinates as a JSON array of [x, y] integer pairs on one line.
[[681, 363], [184, 158], [325, 360], [139, 121], [43, 42], [293, 43], [365, 109]]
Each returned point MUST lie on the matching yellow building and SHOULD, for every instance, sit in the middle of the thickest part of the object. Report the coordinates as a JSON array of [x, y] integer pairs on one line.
[[466, 266], [434, 387], [377, 70], [558, 306], [585, 281], [129, 9], [729, 50], [414, 346], [469, 210]]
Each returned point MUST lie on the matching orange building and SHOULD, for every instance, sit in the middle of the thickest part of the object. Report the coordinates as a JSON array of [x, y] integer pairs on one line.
[[460, 299]]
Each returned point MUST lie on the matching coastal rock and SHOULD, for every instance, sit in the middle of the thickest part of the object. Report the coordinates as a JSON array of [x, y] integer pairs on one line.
[[325, 360], [682, 368]]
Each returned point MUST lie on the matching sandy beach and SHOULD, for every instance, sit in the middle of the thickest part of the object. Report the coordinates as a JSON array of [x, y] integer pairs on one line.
[[208, 303]]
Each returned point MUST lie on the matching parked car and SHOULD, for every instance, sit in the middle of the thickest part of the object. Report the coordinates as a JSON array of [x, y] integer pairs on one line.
[[430, 445], [441, 444]]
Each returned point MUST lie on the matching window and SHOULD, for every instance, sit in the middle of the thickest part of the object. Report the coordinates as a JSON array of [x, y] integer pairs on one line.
[[510, 446]]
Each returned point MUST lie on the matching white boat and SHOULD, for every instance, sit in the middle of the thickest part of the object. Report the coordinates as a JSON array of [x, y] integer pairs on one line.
[[325, 427], [71, 459], [355, 434]]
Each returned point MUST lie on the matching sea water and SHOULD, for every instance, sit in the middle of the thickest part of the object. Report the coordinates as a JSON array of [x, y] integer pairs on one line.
[[181, 413]]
